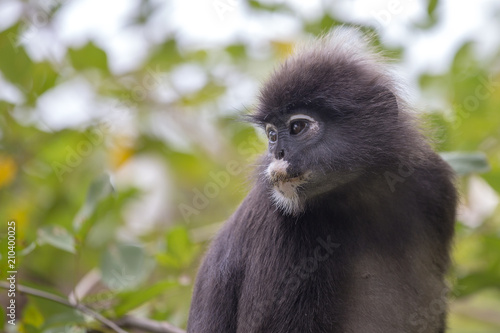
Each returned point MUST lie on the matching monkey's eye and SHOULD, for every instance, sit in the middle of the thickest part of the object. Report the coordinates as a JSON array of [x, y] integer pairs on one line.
[[272, 135], [297, 126]]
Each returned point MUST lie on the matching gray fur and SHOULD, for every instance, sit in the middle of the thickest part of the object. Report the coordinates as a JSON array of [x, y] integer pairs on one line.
[[366, 247]]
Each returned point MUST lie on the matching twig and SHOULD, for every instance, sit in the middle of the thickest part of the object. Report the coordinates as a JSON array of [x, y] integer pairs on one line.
[[140, 323], [84, 286], [149, 325], [61, 300]]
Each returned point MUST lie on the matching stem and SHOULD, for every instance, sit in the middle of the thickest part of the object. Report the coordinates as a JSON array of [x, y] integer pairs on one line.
[[149, 325], [141, 323]]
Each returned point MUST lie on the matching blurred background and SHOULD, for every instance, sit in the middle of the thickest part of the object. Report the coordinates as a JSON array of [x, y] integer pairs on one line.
[[121, 153]]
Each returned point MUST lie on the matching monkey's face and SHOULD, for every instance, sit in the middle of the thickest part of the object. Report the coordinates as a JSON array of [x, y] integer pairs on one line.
[[328, 120], [299, 160]]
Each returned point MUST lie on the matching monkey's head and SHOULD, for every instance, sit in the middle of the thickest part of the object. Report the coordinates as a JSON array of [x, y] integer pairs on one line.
[[331, 114]]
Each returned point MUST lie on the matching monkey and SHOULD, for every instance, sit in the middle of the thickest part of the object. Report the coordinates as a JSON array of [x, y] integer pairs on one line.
[[349, 223]]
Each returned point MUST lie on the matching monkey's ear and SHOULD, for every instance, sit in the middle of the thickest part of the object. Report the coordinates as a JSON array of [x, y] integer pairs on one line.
[[384, 99]]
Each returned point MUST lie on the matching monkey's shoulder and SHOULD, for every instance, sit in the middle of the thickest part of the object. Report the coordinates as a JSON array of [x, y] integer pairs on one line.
[[244, 223], [435, 183]]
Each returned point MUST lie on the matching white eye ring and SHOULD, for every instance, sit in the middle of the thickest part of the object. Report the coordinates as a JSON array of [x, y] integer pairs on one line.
[[269, 128], [301, 116], [313, 124]]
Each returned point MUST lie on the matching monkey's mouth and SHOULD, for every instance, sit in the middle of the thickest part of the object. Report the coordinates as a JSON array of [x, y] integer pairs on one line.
[[286, 187], [277, 178], [279, 175], [288, 192]]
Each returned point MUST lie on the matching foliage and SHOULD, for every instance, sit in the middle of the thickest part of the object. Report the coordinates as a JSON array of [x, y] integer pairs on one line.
[[87, 226]]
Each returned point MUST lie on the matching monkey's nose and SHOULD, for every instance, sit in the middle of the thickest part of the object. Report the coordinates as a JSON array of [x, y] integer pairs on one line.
[[280, 154]]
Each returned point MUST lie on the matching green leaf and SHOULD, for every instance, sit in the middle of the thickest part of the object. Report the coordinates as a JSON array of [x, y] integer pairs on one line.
[[467, 163], [100, 189], [180, 249], [133, 299], [68, 327], [464, 61], [2, 316], [30, 328], [32, 315], [237, 51], [326, 23], [16, 66], [210, 92], [166, 56], [124, 266], [475, 282], [431, 7], [43, 78], [62, 319], [56, 236], [89, 56], [188, 167], [268, 7], [178, 242]]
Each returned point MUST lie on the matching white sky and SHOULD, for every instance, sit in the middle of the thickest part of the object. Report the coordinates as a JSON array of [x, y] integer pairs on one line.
[[212, 23], [201, 24]]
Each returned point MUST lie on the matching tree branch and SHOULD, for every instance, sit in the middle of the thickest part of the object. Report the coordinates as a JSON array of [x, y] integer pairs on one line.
[[129, 321], [61, 300], [149, 325]]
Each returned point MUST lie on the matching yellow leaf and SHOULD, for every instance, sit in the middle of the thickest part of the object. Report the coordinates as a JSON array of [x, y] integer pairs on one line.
[[32, 316], [8, 170], [120, 153], [19, 214], [282, 49]]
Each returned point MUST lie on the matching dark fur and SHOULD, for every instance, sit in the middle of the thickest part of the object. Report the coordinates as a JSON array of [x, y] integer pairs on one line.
[[368, 256]]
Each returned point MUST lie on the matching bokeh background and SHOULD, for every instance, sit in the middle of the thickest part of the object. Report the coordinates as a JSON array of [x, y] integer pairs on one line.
[[121, 153]]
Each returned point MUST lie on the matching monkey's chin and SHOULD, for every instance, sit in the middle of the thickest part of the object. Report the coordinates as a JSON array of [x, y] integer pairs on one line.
[[287, 198]]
